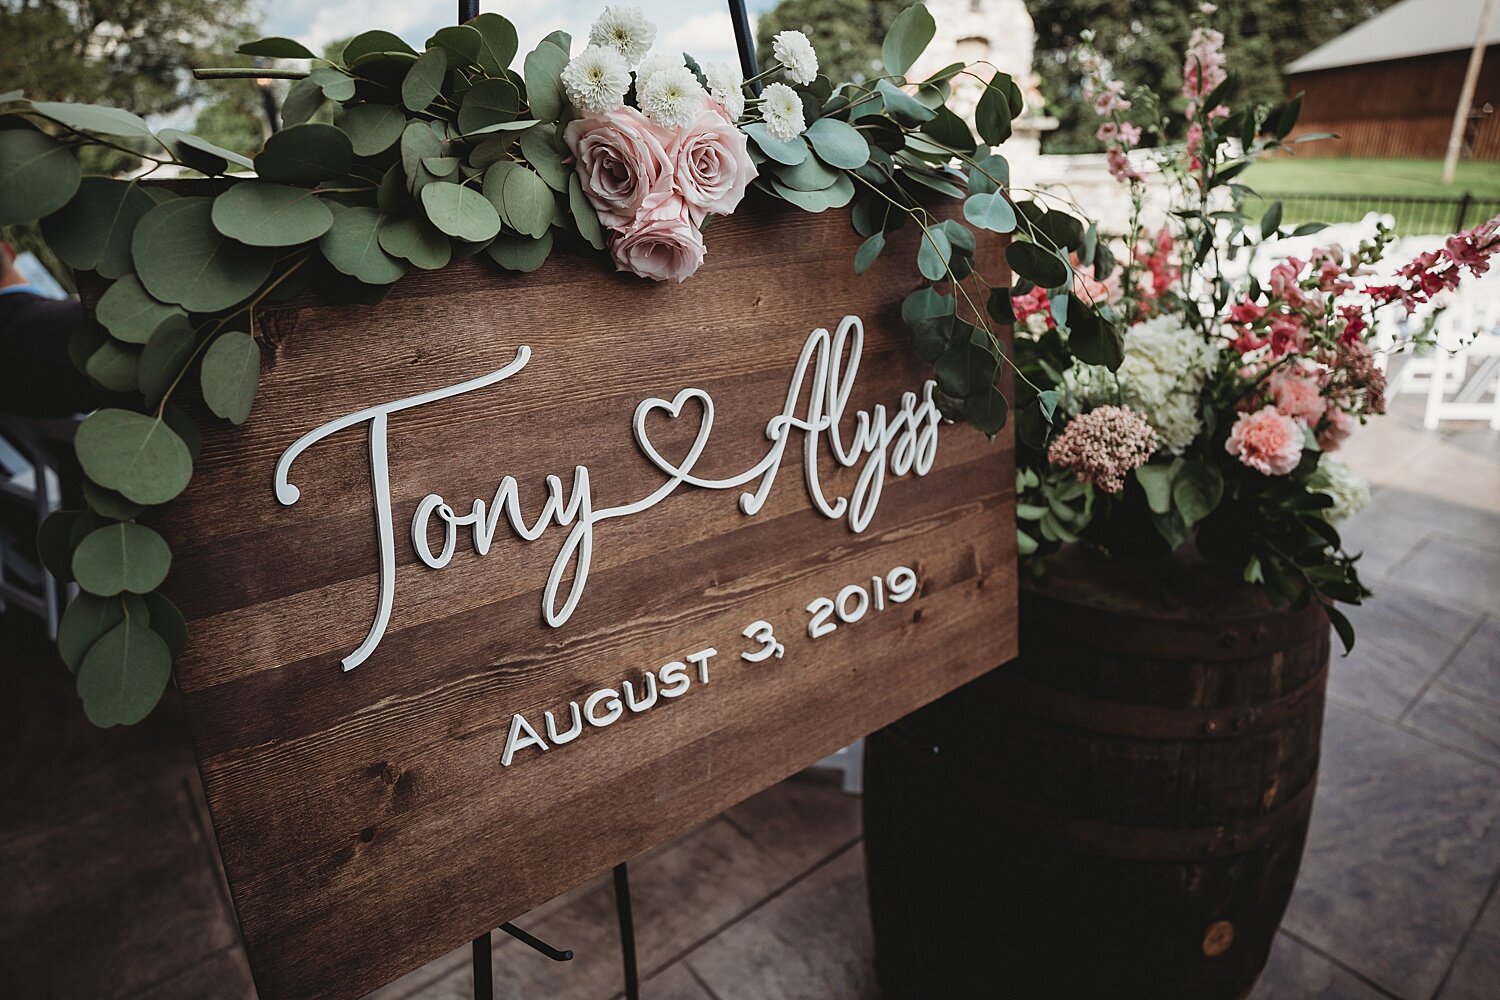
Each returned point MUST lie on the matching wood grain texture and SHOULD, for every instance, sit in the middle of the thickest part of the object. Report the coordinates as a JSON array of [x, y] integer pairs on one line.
[[365, 821]]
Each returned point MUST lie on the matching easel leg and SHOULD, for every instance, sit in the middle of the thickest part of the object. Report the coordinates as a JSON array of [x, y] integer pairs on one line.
[[484, 980], [627, 932]]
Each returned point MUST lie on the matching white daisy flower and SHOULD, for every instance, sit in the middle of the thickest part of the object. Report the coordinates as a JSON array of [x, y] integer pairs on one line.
[[654, 64], [782, 110], [596, 79], [626, 30], [796, 55], [726, 84], [671, 97]]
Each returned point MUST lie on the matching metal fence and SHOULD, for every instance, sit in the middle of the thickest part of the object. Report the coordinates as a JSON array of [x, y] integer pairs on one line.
[[1414, 216]]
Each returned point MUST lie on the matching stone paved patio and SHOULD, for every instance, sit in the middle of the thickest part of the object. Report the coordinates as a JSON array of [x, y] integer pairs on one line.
[[112, 888]]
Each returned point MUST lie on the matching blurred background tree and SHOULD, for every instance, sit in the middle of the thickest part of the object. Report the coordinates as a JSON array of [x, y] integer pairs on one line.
[[1143, 39], [138, 55]]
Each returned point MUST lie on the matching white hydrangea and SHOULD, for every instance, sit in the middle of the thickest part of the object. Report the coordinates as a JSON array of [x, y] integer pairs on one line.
[[795, 53], [782, 110], [726, 84], [626, 30], [1350, 491], [671, 97], [654, 64], [596, 79], [1166, 366]]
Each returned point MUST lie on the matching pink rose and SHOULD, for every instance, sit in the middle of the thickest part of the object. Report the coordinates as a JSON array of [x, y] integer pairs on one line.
[[1266, 441], [661, 244], [622, 162], [1297, 394], [711, 165], [1337, 430]]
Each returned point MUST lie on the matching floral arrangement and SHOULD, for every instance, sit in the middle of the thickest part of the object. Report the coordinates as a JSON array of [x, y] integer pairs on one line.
[[1217, 420], [392, 159]]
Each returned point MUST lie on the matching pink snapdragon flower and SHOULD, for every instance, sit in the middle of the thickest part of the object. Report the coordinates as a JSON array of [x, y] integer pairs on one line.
[[1103, 445], [1203, 68], [1267, 441]]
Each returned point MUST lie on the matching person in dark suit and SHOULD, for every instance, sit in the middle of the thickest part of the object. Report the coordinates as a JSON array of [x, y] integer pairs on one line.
[[37, 378]]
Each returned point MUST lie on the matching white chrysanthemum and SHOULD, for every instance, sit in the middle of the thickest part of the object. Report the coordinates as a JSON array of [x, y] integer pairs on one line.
[[671, 97], [782, 110], [596, 79], [626, 30], [726, 84], [796, 55], [1350, 491], [1165, 368], [654, 64]]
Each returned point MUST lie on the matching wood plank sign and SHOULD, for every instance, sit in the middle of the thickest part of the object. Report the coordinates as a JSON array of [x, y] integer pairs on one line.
[[514, 577]]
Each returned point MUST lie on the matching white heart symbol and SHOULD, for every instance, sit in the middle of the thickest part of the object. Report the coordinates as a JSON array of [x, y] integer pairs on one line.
[[674, 410]]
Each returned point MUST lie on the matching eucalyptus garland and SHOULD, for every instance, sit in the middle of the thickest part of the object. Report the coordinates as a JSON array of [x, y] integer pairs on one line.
[[391, 159]]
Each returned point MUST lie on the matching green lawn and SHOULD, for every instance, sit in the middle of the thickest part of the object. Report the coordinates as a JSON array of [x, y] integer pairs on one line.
[[1361, 186]]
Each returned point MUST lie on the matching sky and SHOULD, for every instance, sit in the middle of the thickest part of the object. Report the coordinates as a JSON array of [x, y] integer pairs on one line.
[[699, 27]]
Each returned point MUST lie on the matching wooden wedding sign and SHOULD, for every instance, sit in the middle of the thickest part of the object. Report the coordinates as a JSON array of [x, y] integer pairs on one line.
[[511, 578]]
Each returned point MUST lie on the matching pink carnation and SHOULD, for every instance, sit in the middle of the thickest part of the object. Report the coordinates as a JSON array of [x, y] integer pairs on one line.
[[1103, 445], [1337, 430], [1266, 441], [1297, 394]]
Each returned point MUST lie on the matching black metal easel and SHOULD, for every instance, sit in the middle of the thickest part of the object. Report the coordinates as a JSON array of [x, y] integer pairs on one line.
[[484, 973]]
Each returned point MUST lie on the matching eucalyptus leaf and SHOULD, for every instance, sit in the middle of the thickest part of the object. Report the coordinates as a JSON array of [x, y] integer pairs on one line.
[[584, 215], [86, 618], [498, 43], [992, 114], [96, 118], [987, 409], [519, 253], [53, 545], [868, 251], [276, 47], [108, 503], [460, 211], [523, 199], [1037, 265], [121, 557], [837, 195], [303, 100], [809, 175], [418, 141], [165, 355], [838, 143], [230, 374], [950, 131], [989, 174], [544, 90], [371, 42], [270, 215], [789, 151], [134, 454], [129, 313], [907, 39], [903, 107], [372, 128], [114, 366], [1092, 339], [38, 175], [167, 621], [933, 254], [539, 146], [991, 211], [304, 155], [488, 102], [462, 41], [182, 259], [352, 246], [416, 241], [124, 674], [92, 232], [200, 154], [424, 81]]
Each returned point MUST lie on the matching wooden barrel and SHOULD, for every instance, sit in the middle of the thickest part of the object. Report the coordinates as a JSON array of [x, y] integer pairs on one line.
[[1118, 814]]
